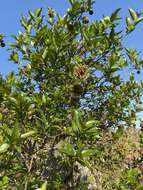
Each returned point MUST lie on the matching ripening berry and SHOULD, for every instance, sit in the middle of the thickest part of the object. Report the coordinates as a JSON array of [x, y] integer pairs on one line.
[[70, 27], [85, 20], [2, 43], [82, 8], [91, 12]]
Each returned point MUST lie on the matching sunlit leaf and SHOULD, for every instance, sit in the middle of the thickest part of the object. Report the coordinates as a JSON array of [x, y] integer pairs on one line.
[[4, 147]]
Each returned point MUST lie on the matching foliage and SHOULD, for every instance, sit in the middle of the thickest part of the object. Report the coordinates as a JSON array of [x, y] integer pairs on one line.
[[67, 117]]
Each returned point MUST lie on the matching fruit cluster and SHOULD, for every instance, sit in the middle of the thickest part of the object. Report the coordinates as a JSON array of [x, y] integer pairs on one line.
[[81, 71]]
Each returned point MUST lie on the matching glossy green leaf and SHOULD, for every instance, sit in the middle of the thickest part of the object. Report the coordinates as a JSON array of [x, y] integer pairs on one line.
[[114, 15], [28, 134], [76, 125], [130, 24], [68, 150], [14, 57], [139, 108], [15, 134], [139, 20], [38, 12], [45, 53], [133, 14], [88, 153], [44, 186], [4, 147]]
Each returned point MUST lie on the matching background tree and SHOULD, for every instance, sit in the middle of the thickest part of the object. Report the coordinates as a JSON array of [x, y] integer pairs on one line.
[[66, 115]]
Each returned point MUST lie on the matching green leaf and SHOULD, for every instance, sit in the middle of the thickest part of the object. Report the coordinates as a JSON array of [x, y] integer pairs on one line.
[[28, 134], [130, 25], [45, 53], [44, 186], [15, 134], [31, 15], [38, 12], [139, 20], [114, 15], [72, 2], [13, 101], [91, 123], [51, 20], [68, 150], [43, 99], [4, 147], [39, 22], [114, 68], [129, 22], [23, 24], [1, 116], [29, 28], [85, 36], [84, 163], [88, 153], [133, 14], [118, 133], [90, 127], [139, 108], [54, 43], [14, 57], [76, 125]]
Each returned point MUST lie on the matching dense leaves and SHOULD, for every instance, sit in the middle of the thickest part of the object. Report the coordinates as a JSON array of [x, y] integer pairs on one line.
[[68, 116]]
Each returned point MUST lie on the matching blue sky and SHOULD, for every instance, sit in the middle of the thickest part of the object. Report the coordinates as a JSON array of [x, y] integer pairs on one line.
[[11, 11]]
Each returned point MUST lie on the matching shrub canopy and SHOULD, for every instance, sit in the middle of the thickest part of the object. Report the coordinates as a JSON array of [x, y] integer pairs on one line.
[[68, 116]]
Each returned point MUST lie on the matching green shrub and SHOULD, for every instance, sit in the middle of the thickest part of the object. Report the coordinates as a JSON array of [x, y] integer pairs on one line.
[[67, 117]]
